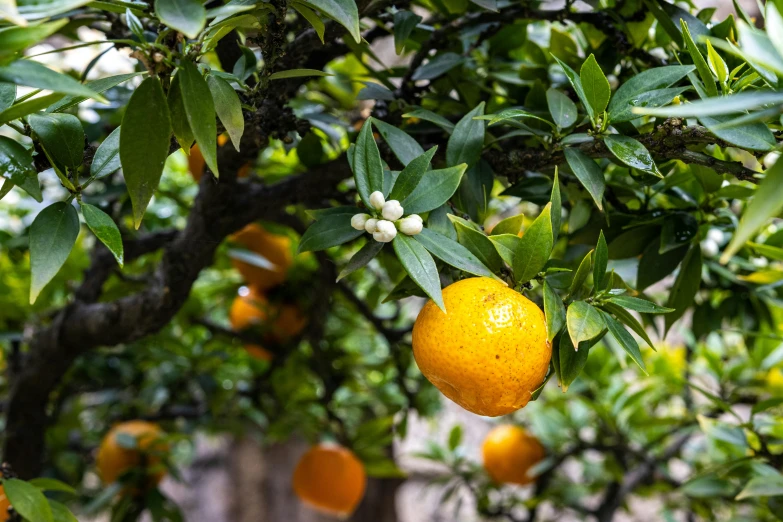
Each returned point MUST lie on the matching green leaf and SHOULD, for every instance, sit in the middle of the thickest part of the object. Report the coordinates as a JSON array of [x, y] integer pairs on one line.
[[402, 145], [562, 109], [581, 274], [438, 65], [361, 258], [629, 320], [179, 118], [678, 229], [717, 64], [438, 220], [720, 105], [571, 361], [50, 484], [329, 231], [186, 16], [104, 229], [411, 175], [576, 83], [404, 24], [512, 114], [28, 500], [437, 119], [639, 305], [37, 9], [7, 96], [435, 188], [625, 340], [33, 74], [632, 153], [200, 110], [457, 255], [107, 157], [584, 322], [557, 212], [420, 266], [228, 108], [685, 286], [506, 245], [658, 78], [701, 65], [14, 39], [312, 17], [144, 143], [753, 136], [344, 12], [52, 236], [29, 107], [600, 262], [62, 135], [61, 513], [455, 437], [367, 166], [588, 172], [297, 73], [766, 486], [654, 266], [596, 86], [534, 248], [766, 203], [554, 310], [16, 166], [467, 140], [477, 243], [511, 225], [99, 86], [654, 98]]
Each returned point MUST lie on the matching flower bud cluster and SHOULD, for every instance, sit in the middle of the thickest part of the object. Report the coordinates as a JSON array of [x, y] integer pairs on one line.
[[387, 219]]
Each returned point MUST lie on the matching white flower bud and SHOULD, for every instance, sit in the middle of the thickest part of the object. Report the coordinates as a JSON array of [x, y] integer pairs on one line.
[[416, 217], [377, 200], [709, 248], [385, 231], [716, 235], [411, 225], [370, 225], [359, 221], [392, 210]]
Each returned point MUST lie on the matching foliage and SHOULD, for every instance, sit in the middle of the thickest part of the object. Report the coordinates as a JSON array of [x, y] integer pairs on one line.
[[616, 165]]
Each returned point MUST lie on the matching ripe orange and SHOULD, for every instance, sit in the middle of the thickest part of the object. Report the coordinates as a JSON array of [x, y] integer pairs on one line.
[[330, 479], [489, 352], [196, 163], [509, 452], [276, 249], [114, 460], [253, 308], [4, 505]]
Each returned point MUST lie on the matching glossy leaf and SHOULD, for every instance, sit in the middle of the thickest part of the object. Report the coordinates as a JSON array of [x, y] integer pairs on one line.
[[437, 66], [52, 236], [454, 253], [404, 24], [402, 145], [144, 143], [678, 229], [361, 258], [581, 274], [753, 136], [27, 500], [698, 59], [554, 311], [62, 135], [629, 320], [571, 361], [576, 83], [344, 12], [107, 158], [228, 108], [632, 153], [506, 245], [685, 286], [638, 305], [562, 109], [329, 231], [32, 74], [420, 266], [179, 118], [588, 173], [584, 322], [596, 86], [556, 211], [99, 86], [600, 262], [16, 166], [435, 188], [367, 166], [625, 340], [467, 140], [186, 16], [654, 266], [297, 73], [411, 175], [645, 82], [104, 229], [200, 110], [535, 247]]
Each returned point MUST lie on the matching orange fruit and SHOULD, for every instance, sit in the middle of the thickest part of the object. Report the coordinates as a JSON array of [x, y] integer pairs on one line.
[[330, 479], [488, 352], [4, 505], [275, 248], [114, 460], [253, 308], [509, 452], [196, 163]]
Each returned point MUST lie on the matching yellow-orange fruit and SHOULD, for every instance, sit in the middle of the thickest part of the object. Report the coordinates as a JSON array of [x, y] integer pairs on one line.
[[330, 479], [509, 453], [275, 248], [253, 308], [4, 505], [488, 352], [114, 460]]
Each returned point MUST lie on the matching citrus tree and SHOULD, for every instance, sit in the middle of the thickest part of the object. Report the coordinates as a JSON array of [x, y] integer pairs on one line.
[[234, 233]]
